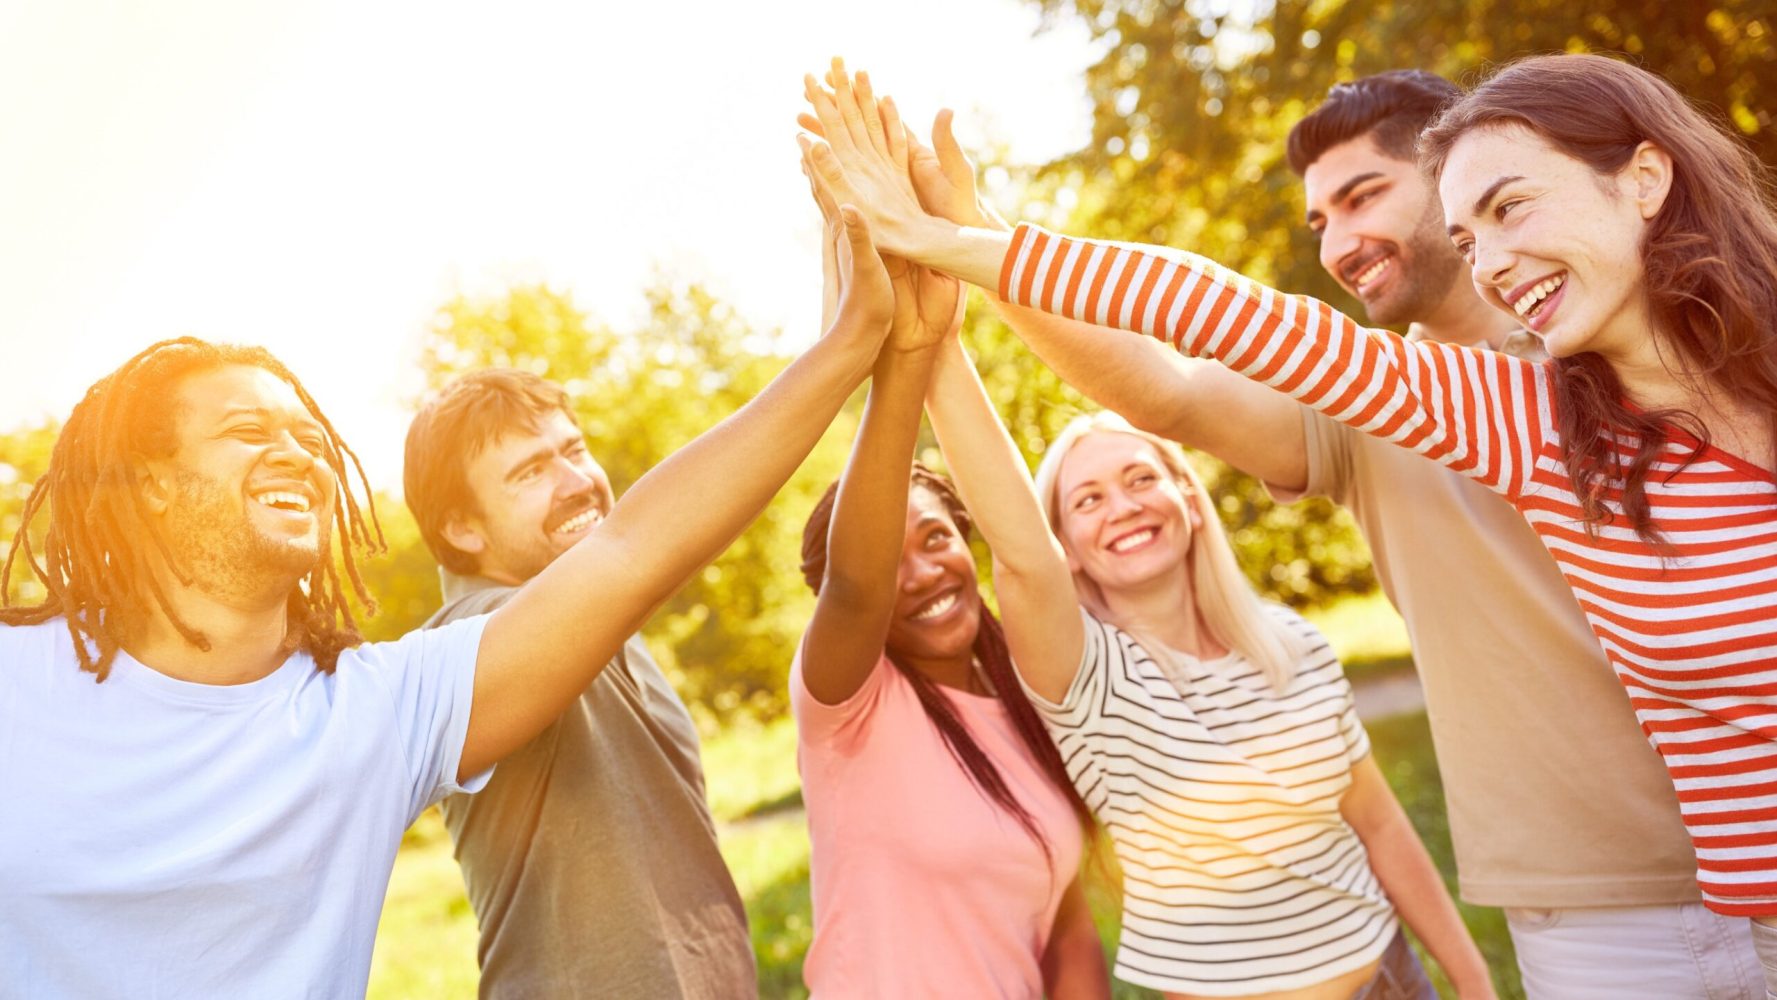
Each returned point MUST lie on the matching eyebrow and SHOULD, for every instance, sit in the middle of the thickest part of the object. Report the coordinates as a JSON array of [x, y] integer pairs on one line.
[[305, 421], [1486, 197], [1345, 189], [539, 455]]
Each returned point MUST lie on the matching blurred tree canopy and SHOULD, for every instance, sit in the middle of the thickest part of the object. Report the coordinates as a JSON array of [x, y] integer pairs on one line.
[[1192, 102], [726, 639], [24, 455]]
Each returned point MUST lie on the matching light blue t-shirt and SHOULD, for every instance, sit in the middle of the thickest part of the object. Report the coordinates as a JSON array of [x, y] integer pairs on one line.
[[162, 839]]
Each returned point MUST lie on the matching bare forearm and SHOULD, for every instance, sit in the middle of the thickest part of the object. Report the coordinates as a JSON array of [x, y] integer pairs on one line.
[[864, 541], [990, 473], [1030, 572], [547, 644], [1074, 965], [1417, 890]]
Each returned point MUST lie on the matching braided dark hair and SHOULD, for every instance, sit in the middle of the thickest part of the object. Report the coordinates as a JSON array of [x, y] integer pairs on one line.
[[96, 567], [990, 649]]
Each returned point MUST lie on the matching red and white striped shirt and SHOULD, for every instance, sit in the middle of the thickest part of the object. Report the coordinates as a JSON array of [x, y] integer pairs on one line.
[[1692, 636]]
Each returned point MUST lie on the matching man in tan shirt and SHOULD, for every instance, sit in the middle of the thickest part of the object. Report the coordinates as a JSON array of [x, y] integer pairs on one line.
[[1559, 809]]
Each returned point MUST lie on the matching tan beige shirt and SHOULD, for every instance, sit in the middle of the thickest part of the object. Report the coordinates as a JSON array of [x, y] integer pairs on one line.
[[1555, 797]]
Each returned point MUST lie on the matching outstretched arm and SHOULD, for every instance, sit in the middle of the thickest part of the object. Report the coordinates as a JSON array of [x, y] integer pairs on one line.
[[1412, 882], [1030, 572], [865, 540], [1196, 402], [1481, 413], [540, 650]]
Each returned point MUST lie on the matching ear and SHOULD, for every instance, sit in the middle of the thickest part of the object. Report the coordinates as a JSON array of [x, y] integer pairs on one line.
[[464, 534], [154, 484], [1648, 177]]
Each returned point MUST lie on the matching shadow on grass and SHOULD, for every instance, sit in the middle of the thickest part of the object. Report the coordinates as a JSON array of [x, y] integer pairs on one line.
[[1362, 669], [787, 802]]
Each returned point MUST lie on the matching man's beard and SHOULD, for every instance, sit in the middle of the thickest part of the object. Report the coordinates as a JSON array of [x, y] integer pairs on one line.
[[1428, 267], [223, 554]]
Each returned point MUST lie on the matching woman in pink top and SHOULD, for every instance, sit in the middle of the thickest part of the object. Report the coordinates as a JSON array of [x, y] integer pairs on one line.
[[946, 836]]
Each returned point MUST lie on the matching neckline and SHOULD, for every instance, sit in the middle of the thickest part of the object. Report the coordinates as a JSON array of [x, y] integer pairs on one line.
[[135, 673]]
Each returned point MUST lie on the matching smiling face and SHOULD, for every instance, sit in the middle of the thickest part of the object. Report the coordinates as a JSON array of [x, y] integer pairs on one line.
[[536, 492], [937, 606], [1552, 242], [1123, 518], [247, 496], [1380, 230]]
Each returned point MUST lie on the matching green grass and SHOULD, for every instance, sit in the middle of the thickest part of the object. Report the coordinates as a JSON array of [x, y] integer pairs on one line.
[[426, 943]]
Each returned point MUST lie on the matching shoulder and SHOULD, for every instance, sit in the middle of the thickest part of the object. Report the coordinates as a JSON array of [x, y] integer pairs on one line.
[[480, 602], [35, 650], [450, 641]]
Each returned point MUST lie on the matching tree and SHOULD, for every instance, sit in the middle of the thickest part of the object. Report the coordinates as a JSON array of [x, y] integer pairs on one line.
[[726, 639], [24, 456], [1192, 103]]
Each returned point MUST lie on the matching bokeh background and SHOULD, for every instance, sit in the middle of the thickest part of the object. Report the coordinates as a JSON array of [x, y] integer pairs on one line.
[[386, 202]]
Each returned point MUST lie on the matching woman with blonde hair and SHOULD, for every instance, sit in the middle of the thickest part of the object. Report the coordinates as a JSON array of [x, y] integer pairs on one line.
[[1211, 733]]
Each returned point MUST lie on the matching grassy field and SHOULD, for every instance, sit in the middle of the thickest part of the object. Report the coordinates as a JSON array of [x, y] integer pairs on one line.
[[426, 943]]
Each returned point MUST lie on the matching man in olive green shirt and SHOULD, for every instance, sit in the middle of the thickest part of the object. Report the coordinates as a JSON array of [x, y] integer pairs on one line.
[[590, 856]]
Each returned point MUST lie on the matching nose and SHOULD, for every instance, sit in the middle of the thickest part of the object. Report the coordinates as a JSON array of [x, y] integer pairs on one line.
[[918, 573], [571, 480], [1121, 505], [1493, 266], [288, 453], [1337, 244]]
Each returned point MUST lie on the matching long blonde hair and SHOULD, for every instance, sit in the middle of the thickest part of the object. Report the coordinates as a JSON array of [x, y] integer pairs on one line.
[[1225, 601]]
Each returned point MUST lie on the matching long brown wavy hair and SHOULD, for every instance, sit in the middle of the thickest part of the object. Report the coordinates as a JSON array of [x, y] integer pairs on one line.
[[1709, 259], [990, 649], [97, 559]]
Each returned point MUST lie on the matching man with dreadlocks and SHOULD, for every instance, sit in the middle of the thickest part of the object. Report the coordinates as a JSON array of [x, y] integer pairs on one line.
[[207, 774]]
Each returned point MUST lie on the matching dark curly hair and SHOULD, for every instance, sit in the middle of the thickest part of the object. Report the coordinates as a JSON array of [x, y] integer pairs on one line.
[[96, 565]]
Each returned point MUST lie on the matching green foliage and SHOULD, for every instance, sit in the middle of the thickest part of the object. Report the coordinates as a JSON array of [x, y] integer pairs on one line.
[[727, 637], [1193, 100], [24, 456]]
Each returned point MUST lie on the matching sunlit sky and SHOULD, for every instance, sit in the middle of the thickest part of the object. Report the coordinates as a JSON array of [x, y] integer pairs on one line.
[[321, 177]]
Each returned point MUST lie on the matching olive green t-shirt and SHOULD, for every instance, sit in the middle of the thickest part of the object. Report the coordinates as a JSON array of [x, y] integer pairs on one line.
[[1555, 797], [590, 857]]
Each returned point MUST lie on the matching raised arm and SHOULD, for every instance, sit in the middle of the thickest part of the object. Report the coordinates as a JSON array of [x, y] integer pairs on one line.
[[864, 542], [1030, 572], [1196, 402], [1479, 412], [541, 649]]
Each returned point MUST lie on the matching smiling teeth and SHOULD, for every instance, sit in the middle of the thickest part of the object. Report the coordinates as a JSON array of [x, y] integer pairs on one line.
[[1128, 542], [1544, 288], [936, 608], [1374, 271], [578, 521], [276, 499]]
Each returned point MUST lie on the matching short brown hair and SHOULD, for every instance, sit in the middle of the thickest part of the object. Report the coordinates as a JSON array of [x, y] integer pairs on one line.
[[1391, 108], [452, 427]]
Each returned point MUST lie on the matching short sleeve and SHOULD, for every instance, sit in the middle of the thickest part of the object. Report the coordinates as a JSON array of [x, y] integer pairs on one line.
[[1085, 695], [839, 726], [429, 675], [1351, 729], [1328, 445]]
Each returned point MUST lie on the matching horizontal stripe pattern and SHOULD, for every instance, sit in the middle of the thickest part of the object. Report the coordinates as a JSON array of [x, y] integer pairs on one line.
[[1690, 631], [1240, 874]]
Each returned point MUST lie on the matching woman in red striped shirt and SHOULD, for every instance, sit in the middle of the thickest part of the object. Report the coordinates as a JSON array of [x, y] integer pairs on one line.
[[1638, 238]]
